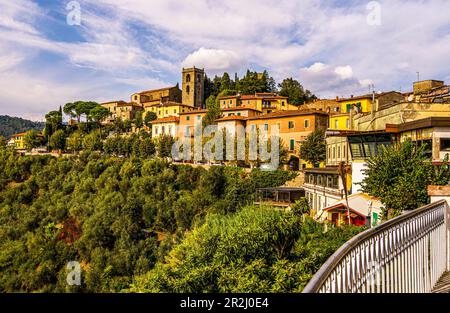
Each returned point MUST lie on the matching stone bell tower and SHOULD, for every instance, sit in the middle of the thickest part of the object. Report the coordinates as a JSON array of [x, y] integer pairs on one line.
[[193, 87]]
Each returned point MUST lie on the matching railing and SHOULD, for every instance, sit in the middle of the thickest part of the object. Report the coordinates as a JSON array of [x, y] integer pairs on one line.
[[407, 254]]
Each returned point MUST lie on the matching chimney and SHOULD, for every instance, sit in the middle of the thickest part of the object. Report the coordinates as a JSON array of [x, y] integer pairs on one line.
[[351, 96]]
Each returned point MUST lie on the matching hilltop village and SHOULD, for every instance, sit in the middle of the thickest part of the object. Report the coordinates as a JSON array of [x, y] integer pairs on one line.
[[355, 129]]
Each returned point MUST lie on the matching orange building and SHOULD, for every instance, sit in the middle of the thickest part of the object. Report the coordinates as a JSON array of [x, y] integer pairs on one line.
[[293, 126], [188, 120]]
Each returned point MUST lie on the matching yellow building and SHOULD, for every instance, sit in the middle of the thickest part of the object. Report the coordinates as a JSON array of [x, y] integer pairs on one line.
[[19, 141], [121, 110], [266, 102], [343, 117], [168, 109], [157, 96]]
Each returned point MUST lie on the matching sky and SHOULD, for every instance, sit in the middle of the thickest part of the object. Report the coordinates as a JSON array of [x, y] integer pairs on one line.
[[53, 52]]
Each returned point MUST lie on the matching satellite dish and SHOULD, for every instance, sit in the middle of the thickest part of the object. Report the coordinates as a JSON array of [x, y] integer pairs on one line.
[[410, 98]]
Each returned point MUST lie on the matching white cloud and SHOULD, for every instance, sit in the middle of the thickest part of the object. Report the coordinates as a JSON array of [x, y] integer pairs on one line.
[[214, 60], [281, 36], [344, 72], [316, 67]]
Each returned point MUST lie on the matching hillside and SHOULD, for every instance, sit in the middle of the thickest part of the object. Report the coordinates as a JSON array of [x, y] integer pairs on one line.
[[14, 125]]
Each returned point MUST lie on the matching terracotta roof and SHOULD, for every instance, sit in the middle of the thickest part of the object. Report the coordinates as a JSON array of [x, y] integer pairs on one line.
[[154, 90], [110, 102], [268, 97], [288, 113], [170, 119], [265, 96], [125, 104], [368, 96], [165, 104], [240, 108], [232, 118]]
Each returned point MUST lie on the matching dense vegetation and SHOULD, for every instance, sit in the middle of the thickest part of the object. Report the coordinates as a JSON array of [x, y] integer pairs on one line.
[[253, 82], [254, 250], [314, 149], [15, 125], [400, 175], [122, 218]]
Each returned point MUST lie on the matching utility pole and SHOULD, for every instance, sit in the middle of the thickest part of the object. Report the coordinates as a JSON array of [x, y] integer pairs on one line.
[[343, 174]]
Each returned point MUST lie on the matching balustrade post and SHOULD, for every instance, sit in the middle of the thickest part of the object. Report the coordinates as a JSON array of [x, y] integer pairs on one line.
[[438, 193]]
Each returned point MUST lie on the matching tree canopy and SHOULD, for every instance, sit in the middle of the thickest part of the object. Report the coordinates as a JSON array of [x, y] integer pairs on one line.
[[314, 149], [295, 92], [399, 176], [117, 217], [256, 250]]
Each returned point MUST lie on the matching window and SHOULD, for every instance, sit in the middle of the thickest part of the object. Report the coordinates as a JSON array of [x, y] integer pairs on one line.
[[334, 152], [347, 124], [239, 114], [445, 144], [199, 117], [282, 103], [188, 78], [170, 129], [156, 130], [188, 89], [291, 125], [349, 107], [253, 127], [292, 145], [188, 118], [231, 101], [186, 131], [336, 124], [163, 130], [266, 126], [175, 111], [339, 152], [278, 126], [306, 123], [167, 111]]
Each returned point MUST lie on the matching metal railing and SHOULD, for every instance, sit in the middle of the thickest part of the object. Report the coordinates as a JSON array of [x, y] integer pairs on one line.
[[407, 254]]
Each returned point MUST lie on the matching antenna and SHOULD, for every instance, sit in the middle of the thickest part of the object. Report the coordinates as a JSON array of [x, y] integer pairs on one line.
[[418, 76]]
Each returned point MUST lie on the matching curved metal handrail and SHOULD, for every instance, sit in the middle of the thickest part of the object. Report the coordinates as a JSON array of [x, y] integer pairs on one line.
[[330, 265]]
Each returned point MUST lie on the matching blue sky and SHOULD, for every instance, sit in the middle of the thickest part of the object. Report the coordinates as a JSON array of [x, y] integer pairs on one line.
[[334, 48]]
